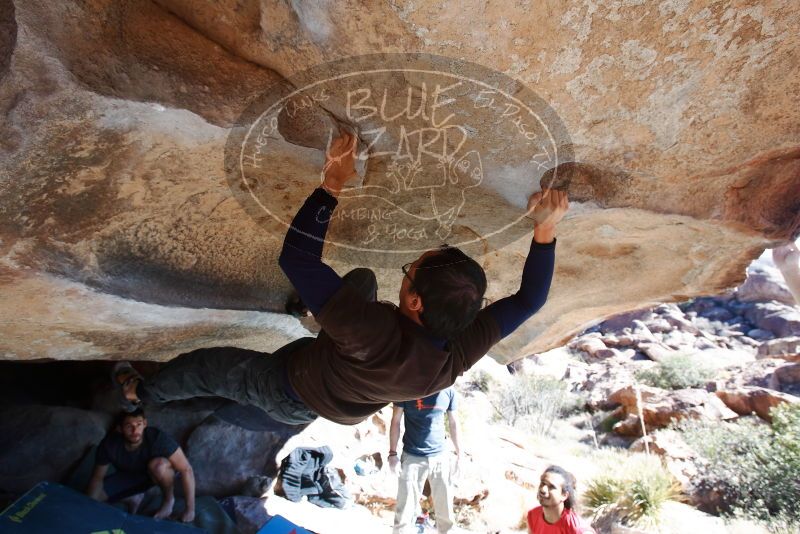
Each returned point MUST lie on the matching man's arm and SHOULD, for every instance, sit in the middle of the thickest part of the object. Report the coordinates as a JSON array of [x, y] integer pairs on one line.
[[95, 489], [394, 436], [546, 208], [301, 256], [452, 423], [181, 465]]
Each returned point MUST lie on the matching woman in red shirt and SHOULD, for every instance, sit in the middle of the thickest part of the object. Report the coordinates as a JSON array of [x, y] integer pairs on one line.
[[556, 515]]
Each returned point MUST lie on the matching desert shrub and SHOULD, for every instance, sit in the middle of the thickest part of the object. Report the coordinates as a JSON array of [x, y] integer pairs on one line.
[[755, 467], [575, 403], [740, 522], [533, 402], [634, 493], [482, 381], [677, 372], [601, 493], [607, 423]]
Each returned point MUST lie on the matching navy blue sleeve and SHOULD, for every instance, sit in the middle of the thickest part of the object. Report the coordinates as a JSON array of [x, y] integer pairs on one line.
[[512, 311], [162, 445], [301, 257]]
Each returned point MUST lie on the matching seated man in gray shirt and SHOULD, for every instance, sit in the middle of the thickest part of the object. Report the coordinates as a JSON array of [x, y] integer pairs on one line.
[[142, 456]]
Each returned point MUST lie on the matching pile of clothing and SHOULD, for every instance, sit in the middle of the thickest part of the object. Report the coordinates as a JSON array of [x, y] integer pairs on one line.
[[305, 472]]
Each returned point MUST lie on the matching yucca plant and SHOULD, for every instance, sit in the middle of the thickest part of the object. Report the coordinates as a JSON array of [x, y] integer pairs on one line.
[[635, 493], [601, 493], [644, 496]]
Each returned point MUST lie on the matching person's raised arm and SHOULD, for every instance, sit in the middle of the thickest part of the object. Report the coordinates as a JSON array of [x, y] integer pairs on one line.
[[301, 256], [546, 209], [181, 464]]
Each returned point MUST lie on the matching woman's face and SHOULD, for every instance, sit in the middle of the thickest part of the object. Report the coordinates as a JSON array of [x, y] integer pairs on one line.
[[551, 490]]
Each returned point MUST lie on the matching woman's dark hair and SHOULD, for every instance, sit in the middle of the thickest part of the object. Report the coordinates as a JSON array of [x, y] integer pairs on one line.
[[569, 484], [451, 285]]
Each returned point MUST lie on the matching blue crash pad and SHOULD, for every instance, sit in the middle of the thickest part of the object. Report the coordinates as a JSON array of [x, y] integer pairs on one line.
[[280, 525], [50, 507]]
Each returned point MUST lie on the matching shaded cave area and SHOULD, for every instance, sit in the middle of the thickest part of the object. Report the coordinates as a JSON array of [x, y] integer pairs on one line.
[[53, 414]]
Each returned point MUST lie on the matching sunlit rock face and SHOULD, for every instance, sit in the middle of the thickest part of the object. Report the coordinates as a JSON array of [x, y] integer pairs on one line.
[[121, 234]]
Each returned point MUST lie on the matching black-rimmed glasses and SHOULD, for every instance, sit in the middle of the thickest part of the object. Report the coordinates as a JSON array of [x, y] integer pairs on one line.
[[405, 269]]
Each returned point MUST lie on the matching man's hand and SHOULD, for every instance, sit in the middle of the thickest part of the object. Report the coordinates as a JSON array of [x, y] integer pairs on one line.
[[340, 163], [546, 208], [394, 461], [188, 515], [456, 469]]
